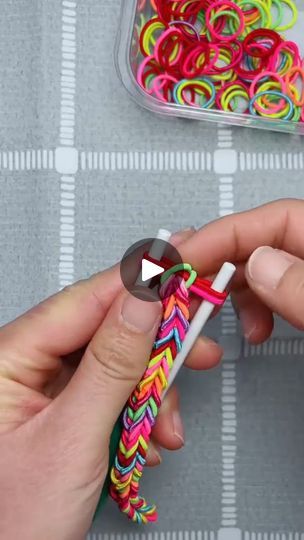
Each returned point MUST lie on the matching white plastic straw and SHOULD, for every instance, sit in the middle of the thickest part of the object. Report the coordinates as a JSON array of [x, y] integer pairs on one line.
[[156, 252]]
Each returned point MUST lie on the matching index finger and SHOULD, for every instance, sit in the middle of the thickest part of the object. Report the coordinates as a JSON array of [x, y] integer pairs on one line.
[[68, 320], [234, 238]]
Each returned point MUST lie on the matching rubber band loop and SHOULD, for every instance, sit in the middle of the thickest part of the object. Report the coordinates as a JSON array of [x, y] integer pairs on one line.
[[191, 62], [209, 296], [147, 42], [265, 103], [166, 81], [273, 115], [230, 91], [263, 10], [251, 48], [264, 75], [187, 25], [178, 268], [294, 18], [296, 70], [199, 85], [211, 18]]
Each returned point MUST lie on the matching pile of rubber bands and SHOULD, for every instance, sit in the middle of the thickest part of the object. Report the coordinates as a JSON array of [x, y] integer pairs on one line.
[[221, 54]]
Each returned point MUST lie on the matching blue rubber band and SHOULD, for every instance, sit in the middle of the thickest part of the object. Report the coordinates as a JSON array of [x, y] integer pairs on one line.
[[272, 93], [208, 103]]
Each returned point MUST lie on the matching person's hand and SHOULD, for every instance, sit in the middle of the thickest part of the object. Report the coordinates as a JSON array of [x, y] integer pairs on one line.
[[67, 368], [267, 245]]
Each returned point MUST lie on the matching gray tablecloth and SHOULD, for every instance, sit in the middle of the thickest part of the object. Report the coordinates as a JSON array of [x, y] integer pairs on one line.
[[85, 173]]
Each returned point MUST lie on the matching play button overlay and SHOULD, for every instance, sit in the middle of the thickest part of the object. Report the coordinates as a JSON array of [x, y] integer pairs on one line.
[[150, 270], [139, 268]]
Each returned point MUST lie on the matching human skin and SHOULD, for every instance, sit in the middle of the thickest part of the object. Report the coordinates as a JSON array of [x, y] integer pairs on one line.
[[68, 366]]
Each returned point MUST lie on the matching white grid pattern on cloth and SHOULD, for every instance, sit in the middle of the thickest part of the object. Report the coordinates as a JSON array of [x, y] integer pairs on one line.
[[162, 161], [66, 155], [230, 534], [225, 166]]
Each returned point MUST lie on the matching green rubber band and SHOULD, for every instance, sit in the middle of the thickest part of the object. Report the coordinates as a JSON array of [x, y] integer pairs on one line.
[[201, 19], [233, 21], [297, 115], [294, 13], [264, 11], [191, 279], [278, 21], [179, 268], [173, 270]]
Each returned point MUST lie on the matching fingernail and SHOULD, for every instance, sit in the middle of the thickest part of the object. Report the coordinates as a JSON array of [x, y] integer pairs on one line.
[[267, 266], [182, 231], [178, 429], [153, 455], [179, 235]]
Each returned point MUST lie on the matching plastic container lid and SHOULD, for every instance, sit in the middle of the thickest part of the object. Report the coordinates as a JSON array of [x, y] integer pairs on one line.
[[158, 52]]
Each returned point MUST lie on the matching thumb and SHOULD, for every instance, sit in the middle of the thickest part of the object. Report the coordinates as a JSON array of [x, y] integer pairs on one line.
[[111, 367], [278, 279]]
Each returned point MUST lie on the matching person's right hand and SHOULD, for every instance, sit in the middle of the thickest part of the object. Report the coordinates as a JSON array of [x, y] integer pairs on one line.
[[267, 246]]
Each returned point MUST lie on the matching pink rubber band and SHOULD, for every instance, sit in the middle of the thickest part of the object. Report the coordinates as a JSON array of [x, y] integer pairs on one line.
[[233, 7], [262, 75], [205, 295], [285, 45], [164, 78], [140, 73], [170, 32]]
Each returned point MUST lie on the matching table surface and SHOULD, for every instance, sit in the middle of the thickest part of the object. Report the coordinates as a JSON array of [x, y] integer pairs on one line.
[[74, 145]]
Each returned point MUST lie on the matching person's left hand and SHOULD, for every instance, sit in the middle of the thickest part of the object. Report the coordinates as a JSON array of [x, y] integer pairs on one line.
[[67, 368]]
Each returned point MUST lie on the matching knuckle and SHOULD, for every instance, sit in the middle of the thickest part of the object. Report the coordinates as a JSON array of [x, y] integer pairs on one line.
[[117, 357]]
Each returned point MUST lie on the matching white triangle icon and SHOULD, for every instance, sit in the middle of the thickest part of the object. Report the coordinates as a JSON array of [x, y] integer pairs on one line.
[[149, 270]]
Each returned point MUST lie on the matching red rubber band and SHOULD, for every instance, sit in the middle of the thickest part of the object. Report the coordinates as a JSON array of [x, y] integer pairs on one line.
[[250, 46], [233, 7], [188, 66]]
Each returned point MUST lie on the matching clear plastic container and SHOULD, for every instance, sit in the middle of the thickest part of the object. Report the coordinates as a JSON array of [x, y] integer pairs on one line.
[[136, 13]]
